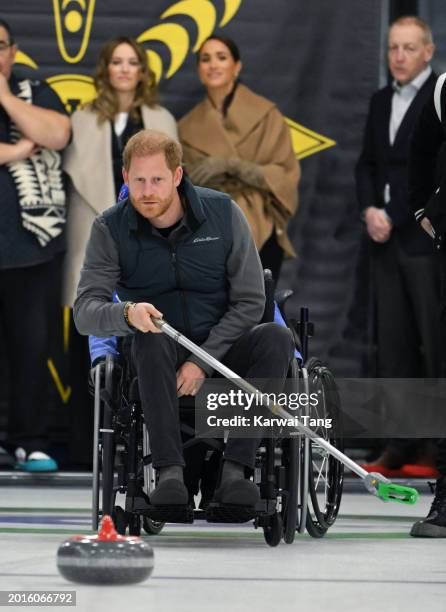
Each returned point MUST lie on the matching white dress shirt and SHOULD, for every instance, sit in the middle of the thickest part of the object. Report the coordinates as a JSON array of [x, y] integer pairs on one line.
[[120, 123], [402, 98]]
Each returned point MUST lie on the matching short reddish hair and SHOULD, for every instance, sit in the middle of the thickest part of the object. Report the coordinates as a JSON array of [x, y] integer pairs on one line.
[[150, 142]]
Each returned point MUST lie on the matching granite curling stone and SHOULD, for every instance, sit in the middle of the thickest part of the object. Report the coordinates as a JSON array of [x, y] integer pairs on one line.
[[106, 558]]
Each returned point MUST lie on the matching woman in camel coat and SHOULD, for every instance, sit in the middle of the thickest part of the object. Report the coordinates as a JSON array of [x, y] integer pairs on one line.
[[238, 142]]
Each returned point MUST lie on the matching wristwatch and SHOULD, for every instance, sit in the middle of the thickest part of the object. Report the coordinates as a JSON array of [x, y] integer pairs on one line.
[[126, 313]]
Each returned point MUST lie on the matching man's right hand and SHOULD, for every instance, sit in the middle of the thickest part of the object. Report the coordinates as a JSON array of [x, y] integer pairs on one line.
[[24, 148], [139, 316], [379, 227]]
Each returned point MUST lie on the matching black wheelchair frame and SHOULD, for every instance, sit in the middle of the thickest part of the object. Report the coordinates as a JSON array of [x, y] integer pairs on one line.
[[300, 483]]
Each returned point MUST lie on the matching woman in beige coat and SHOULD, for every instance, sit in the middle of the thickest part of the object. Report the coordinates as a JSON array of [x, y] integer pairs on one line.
[[238, 142], [125, 103]]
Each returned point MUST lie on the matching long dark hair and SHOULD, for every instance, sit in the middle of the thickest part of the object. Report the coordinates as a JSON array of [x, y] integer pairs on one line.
[[228, 42]]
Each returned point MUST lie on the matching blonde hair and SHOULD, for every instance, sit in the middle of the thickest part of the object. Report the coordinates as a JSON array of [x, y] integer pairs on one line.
[[106, 103], [150, 142], [417, 21]]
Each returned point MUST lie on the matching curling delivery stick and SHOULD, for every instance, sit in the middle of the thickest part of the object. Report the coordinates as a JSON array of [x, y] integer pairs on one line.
[[375, 483]]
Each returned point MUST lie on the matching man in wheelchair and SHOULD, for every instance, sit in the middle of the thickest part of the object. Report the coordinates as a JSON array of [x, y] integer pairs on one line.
[[185, 253]]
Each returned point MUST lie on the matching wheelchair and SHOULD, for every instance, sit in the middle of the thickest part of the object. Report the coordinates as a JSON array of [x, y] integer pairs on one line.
[[300, 483]]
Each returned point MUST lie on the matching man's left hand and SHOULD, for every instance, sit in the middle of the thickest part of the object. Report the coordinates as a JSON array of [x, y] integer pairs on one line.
[[427, 226], [190, 377]]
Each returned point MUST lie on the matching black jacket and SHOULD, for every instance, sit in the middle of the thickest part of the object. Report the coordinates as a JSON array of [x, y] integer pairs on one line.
[[427, 165], [381, 163]]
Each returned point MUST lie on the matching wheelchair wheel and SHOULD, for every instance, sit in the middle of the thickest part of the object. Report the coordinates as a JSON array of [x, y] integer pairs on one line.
[[273, 529], [325, 472], [103, 443], [290, 508], [152, 527], [119, 517], [290, 453], [304, 462], [296, 461], [96, 468], [123, 519], [134, 523], [108, 440]]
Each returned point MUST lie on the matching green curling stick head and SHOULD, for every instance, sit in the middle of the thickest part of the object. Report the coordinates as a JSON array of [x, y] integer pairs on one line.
[[397, 493]]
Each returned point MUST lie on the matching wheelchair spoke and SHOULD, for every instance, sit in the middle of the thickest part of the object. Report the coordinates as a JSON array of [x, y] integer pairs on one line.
[[319, 471]]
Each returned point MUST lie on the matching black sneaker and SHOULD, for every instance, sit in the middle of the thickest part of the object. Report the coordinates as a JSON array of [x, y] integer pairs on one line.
[[434, 525]]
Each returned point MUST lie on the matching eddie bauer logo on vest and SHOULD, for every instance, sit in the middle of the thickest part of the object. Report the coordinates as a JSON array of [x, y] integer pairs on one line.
[[207, 239]]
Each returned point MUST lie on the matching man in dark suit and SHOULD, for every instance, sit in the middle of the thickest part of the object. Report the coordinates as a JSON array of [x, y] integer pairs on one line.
[[404, 276]]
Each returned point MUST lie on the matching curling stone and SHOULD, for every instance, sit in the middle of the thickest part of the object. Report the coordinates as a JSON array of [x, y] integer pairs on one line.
[[106, 558]]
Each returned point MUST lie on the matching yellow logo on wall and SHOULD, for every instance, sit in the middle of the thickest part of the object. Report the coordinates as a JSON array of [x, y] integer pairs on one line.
[[71, 17], [305, 141], [73, 23]]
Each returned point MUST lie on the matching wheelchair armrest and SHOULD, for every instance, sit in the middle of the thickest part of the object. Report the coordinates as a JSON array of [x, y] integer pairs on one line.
[[282, 297], [109, 369], [268, 313], [97, 368]]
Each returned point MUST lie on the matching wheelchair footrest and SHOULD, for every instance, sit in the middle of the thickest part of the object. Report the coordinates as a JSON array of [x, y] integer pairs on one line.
[[137, 504], [170, 514], [229, 513]]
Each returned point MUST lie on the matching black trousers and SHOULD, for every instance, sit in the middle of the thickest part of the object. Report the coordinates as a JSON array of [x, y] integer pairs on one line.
[[81, 405], [265, 352], [407, 298], [441, 444], [29, 301]]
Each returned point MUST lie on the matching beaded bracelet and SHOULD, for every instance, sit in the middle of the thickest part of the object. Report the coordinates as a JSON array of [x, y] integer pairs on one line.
[[126, 312]]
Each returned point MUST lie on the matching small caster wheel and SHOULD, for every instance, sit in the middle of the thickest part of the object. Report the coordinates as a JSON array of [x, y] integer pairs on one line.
[[120, 519], [152, 527], [134, 522], [273, 530]]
